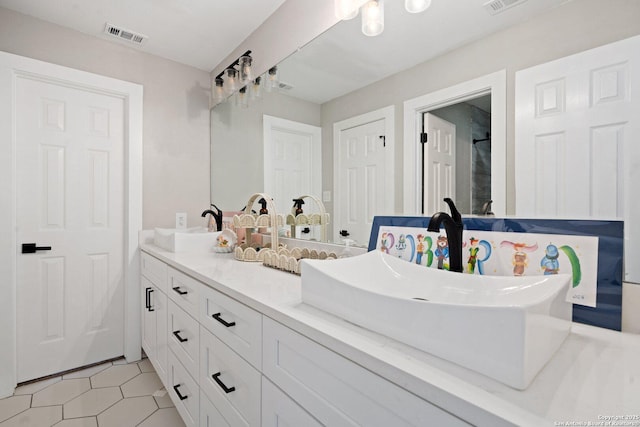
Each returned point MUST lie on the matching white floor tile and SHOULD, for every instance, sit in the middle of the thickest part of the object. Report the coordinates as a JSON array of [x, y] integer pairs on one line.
[[13, 406], [35, 417], [128, 412], [163, 400], [92, 402], [35, 387], [115, 376], [146, 366], [142, 385], [164, 418], [79, 422], [88, 372], [60, 392]]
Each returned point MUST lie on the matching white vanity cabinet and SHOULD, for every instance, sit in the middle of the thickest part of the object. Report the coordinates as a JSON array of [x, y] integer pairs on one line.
[[154, 312], [336, 391], [226, 364]]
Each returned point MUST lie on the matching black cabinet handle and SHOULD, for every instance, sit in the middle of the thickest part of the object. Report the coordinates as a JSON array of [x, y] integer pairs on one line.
[[175, 387], [147, 302], [216, 378], [149, 307], [31, 248], [177, 335], [177, 289], [221, 320]]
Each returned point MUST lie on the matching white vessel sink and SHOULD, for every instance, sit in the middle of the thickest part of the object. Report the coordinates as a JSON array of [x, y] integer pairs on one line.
[[195, 239], [504, 327]]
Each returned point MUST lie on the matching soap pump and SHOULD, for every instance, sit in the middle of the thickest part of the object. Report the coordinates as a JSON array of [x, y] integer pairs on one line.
[[263, 209], [297, 204]]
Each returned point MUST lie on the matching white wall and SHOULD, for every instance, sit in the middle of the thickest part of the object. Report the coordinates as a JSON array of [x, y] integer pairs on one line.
[[176, 110]]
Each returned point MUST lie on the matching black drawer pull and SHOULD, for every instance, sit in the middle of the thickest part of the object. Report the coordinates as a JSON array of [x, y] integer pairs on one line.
[[175, 387], [221, 320], [177, 335], [149, 307], [177, 289], [147, 303], [216, 378]]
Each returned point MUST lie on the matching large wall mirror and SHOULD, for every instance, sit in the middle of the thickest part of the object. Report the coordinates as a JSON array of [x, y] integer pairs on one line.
[[343, 76]]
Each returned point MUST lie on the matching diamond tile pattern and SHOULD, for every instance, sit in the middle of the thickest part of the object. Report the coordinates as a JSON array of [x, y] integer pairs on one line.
[[106, 395]]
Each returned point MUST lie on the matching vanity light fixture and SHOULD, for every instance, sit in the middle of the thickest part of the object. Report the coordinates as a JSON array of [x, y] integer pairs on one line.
[[242, 99], [373, 12], [256, 88], [373, 18], [416, 6], [217, 91], [346, 9], [245, 72], [231, 80], [273, 82]]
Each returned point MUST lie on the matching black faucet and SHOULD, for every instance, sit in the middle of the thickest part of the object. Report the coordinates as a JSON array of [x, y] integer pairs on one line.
[[217, 215], [453, 227]]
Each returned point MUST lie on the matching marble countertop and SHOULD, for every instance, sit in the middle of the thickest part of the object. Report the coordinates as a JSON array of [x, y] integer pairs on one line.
[[594, 375]]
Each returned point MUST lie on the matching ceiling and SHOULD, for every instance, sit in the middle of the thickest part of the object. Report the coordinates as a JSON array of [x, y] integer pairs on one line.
[[199, 33]]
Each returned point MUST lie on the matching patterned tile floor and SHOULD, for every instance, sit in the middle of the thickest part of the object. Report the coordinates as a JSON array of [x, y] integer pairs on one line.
[[112, 394]]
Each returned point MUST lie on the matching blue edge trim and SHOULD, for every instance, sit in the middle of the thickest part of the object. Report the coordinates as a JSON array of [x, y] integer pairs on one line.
[[608, 310]]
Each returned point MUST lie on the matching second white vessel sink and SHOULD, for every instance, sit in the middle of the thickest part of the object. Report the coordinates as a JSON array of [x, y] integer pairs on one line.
[[504, 327], [195, 239]]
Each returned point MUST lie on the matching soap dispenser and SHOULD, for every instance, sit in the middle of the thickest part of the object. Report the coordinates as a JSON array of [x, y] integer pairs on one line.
[[263, 209], [297, 204]]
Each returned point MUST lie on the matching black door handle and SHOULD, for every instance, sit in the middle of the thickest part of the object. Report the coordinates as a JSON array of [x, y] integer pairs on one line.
[[216, 378], [177, 335], [221, 320], [31, 248], [175, 387]]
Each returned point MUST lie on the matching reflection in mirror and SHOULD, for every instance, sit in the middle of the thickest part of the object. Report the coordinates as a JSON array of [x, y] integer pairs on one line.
[[326, 82]]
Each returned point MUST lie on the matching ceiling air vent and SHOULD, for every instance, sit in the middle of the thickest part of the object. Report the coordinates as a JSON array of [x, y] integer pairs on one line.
[[497, 6], [284, 86], [123, 34]]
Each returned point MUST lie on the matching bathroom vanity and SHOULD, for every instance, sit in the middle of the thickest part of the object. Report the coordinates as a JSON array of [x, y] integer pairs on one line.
[[234, 345]]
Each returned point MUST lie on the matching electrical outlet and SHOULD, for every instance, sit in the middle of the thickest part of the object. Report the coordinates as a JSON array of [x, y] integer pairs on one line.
[[181, 220]]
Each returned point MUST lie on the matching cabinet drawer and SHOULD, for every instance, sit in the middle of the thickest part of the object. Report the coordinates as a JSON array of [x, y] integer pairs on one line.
[[154, 270], [184, 391], [184, 290], [209, 414], [335, 390], [279, 410], [184, 338], [237, 325], [230, 382]]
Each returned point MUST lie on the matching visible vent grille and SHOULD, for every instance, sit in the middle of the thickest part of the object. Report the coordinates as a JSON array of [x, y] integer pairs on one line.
[[497, 6], [284, 86], [123, 34]]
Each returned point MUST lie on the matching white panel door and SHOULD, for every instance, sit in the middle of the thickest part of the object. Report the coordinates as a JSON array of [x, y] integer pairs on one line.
[[439, 164], [577, 156], [293, 163], [69, 162], [361, 176]]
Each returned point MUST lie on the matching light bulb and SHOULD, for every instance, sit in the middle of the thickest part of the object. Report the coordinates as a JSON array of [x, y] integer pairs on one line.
[[217, 91], [232, 80], [246, 73], [256, 88], [416, 6], [373, 18], [273, 83], [346, 9]]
